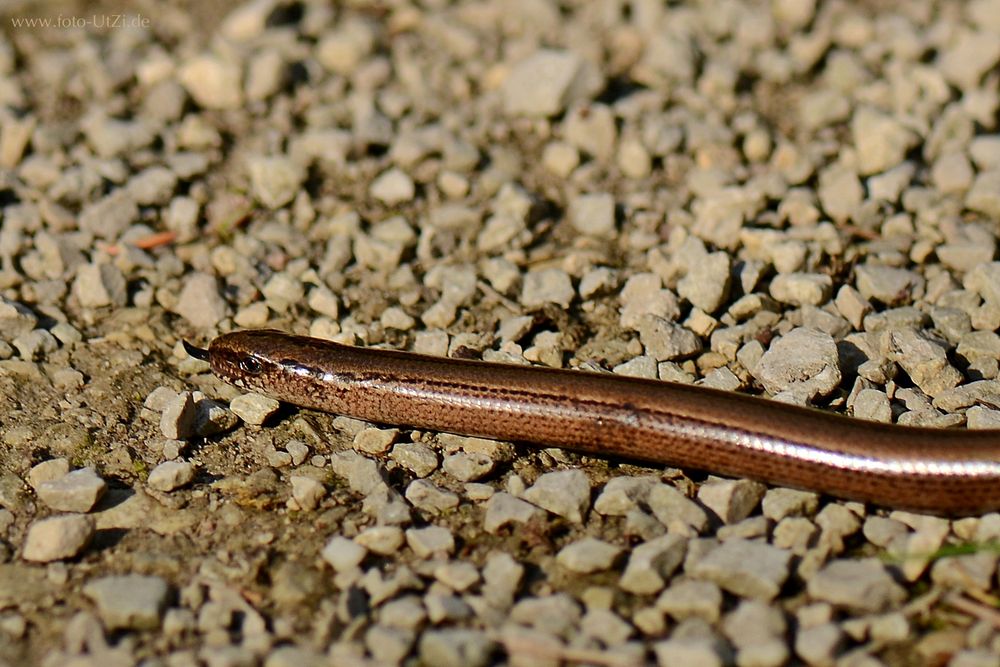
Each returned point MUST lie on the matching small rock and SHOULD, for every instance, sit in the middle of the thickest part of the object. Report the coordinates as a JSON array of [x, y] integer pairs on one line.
[[130, 601], [693, 651], [780, 502], [924, 360], [801, 289], [200, 302], [170, 475], [393, 187], [416, 457], [803, 361], [664, 340], [503, 508], [857, 585], [343, 554], [881, 140], [676, 511], [468, 467], [593, 214], [564, 492], [212, 82], [383, 540], [690, 598], [430, 541], [544, 83], [652, 563], [745, 568], [47, 471], [731, 500], [57, 538], [77, 491], [706, 284], [179, 417], [455, 647], [254, 408], [99, 285], [375, 440], [820, 644], [886, 284], [307, 492], [426, 496], [588, 555], [547, 286]]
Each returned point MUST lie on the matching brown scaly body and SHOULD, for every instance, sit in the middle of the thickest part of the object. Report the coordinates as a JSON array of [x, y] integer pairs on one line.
[[950, 472]]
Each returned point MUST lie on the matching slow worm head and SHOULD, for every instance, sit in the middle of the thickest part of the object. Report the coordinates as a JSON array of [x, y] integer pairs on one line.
[[932, 470]]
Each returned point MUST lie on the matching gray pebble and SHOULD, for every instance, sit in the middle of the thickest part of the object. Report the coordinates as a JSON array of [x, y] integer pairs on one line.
[[803, 361], [426, 496], [544, 83], [780, 502], [856, 585], [840, 192], [503, 508], [77, 491], [800, 289], [676, 511], [36, 344], [455, 647], [746, 568], [254, 408], [212, 417], [416, 457], [375, 440], [690, 598], [109, 217], [383, 540], [886, 284], [99, 285], [47, 471], [731, 500], [458, 576], [984, 195], [393, 187], [706, 283], [468, 467], [170, 475], [130, 601], [623, 494], [306, 491], [57, 538], [880, 139], [557, 614], [199, 301], [563, 492], [643, 295], [818, 645], [924, 360], [430, 541], [593, 214], [343, 554], [664, 340], [547, 286], [652, 563], [693, 651], [16, 319], [214, 83], [588, 555]]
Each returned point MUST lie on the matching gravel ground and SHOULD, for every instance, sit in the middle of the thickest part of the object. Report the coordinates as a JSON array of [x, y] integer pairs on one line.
[[790, 197]]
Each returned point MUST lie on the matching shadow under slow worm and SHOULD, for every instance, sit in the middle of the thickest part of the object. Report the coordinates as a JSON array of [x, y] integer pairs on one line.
[[941, 471]]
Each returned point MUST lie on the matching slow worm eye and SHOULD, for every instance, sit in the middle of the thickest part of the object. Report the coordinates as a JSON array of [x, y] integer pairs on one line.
[[250, 365]]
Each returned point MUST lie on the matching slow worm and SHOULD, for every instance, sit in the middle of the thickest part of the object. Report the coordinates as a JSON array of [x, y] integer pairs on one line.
[[952, 472]]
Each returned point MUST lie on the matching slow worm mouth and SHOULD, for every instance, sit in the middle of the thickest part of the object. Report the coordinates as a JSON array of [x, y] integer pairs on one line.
[[196, 352]]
